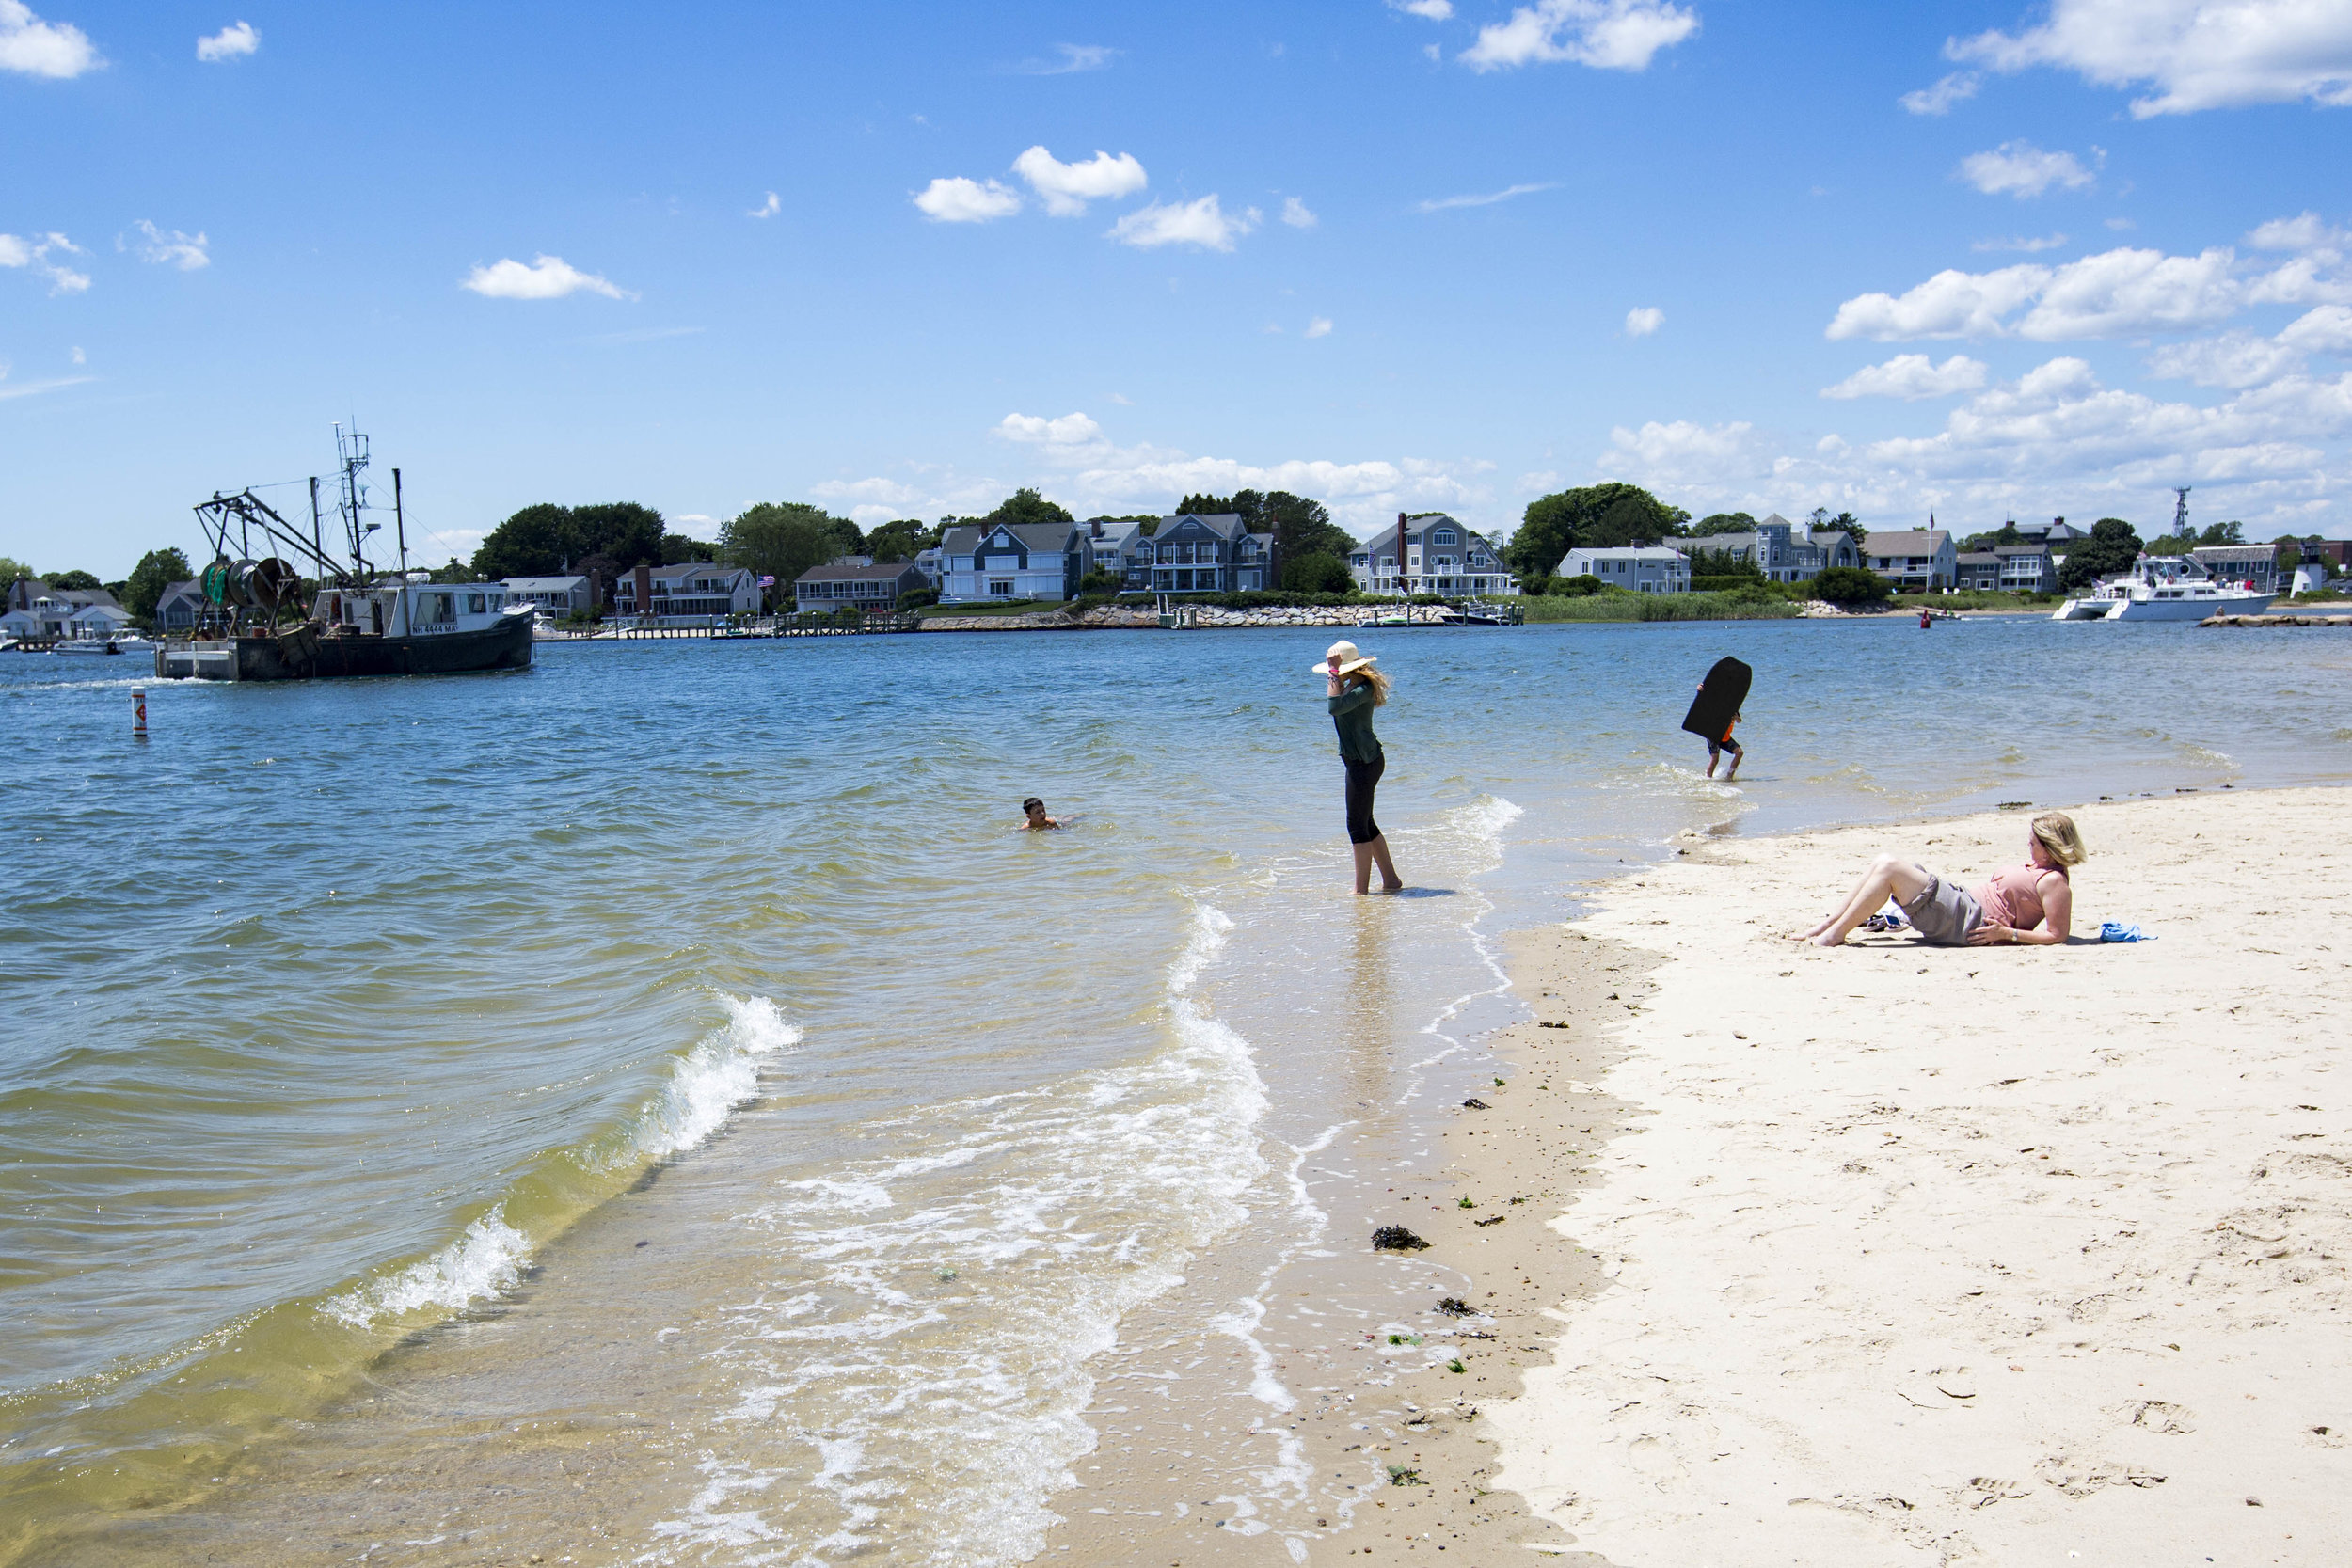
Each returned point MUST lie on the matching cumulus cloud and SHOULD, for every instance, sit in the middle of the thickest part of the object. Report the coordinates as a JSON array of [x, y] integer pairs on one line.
[[2028, 244], [1066, 188], [32, 253], [2326, 330], [1911, 378], [1068, 431], [1436, 10], [1939, 99], [1444, 203], [1642, 320], [1295, 213], [1072, 59], [2307, 276], [961, 200], [2193, 53], [1608, 34], [170, 247], [1319, 327], [2021, 169], [1201, 223], [2231, 359], [35, 48], [2115, 293], [237, 38], [767, 209], [546, 278]]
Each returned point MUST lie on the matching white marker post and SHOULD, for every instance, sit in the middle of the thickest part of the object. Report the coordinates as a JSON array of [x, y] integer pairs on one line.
[[138, 714]]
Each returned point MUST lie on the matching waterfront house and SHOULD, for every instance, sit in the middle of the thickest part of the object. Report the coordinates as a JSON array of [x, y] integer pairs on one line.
[[2027, 568], [931, 563], [2255, 565], [2058, 531], [180, 604], [1012, 561], [1916, 561], [1111, 548], [555, 596], [36, 610], [1976, 569], [1197, 554], [693, 589], [1779, 549], [1432, 553], [1644, 568], [98, 620], [862, 584]]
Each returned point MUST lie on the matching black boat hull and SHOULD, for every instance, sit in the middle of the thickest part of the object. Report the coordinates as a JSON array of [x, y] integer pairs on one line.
[[304, 655]]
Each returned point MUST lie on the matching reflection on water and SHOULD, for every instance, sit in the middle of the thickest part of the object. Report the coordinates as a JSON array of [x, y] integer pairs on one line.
[[340, 1009]]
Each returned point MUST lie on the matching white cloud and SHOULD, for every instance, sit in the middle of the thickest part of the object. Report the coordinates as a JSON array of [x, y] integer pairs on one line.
[[2028, 244], [1436, 10], [1952, 304], [1642, 320], [1076, 58], [1295, 213], [1068, 188], [2021, 169], [547, 277], [1609, 35], [1319, 327], [238, 38], [767, 209], [35, 48], [1201, 223], [1939, 99], [2194, 53], [33, 253], [886, 496], [1911, 378], [2232, 359], [2115, 293], [2304, 279], [34, 389], [170, 247], [962, 200], [2326, 330], [79, 357], [1068, 431], [1442, 203]]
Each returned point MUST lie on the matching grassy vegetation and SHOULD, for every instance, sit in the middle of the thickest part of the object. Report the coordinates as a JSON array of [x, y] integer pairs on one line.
[[1973, 598], [1660, 606], [995, 607]]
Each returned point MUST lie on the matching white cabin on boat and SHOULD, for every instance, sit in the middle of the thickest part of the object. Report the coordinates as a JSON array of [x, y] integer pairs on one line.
[[413, 608]]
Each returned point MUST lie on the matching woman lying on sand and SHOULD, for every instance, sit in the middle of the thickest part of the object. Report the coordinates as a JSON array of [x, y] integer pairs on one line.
[[2006, 908]]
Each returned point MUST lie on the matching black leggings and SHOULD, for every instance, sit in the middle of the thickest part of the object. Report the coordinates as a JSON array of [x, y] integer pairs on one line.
[[1362, 779]]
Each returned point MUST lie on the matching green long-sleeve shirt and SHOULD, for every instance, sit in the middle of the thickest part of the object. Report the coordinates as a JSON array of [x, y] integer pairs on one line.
[[1351, 714]]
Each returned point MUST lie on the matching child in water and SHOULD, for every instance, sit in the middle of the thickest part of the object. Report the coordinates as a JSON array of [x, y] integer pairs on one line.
[[1715, 750], [1038, 822]]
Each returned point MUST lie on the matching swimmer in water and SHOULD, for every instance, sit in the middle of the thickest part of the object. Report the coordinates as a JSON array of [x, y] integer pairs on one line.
[[1037, 821]]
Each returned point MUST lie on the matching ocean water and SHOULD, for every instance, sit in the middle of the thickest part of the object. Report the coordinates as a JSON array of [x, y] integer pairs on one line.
[[665, 1067]]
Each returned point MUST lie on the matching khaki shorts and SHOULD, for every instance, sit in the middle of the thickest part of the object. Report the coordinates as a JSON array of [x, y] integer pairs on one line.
[[1945, 914]]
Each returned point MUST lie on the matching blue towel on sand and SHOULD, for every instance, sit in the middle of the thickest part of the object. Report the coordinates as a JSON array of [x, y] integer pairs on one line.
[[2113, 932]]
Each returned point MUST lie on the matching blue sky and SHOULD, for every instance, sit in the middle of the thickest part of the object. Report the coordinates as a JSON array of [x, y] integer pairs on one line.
[[2107, 256]]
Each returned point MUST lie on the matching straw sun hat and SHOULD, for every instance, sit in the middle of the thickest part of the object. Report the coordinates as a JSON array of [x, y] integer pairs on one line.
[[1350, 660]]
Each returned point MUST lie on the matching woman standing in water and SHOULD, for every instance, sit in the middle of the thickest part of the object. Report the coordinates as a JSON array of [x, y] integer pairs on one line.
[[1356, 688]]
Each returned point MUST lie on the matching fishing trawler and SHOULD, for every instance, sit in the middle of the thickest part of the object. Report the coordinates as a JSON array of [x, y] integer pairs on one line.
[[360, 620]]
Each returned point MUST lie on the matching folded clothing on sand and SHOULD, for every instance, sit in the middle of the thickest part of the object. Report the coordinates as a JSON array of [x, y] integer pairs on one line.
[[2113, 932]]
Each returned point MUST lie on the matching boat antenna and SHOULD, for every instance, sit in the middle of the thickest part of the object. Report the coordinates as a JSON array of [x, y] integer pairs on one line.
[[318, 540], [351, 448], [2180, 507], [400, 525]]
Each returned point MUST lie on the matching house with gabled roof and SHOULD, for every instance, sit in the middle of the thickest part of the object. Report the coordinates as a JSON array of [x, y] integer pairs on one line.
[[1195, 553], [1011, 560], [1432, 553]]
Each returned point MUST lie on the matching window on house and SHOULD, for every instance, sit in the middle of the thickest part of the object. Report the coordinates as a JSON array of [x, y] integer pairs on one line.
[[1000, 588], [1442, 536]]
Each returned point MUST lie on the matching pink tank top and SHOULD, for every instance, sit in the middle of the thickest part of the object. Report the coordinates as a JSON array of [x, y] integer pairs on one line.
[[2013, 896]]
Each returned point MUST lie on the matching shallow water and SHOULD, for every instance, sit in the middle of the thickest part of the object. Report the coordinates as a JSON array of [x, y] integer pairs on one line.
[[339, 1012]]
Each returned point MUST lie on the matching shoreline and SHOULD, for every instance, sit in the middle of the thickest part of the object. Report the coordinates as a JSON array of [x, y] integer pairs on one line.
[[1998, 1254]]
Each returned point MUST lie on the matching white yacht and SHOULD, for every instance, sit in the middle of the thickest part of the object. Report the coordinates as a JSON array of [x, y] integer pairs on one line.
[[2163, 588]]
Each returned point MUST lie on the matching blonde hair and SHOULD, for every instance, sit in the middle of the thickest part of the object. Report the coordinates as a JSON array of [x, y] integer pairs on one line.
[[2056, 829], [1371, 676]]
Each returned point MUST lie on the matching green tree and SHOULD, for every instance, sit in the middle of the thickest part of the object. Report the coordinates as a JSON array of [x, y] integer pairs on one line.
[[2111, 549], [783, 540], [457, 571], [1847, 585], [1318, 572], [901, 541], [1594, 514], [1845, 522], [2222, 533], [543, 539], [12, 570], [678, 548], [2006, 535], [156, 571], [1301, 526], [77, 581], [1026, 505], [1723, 522]]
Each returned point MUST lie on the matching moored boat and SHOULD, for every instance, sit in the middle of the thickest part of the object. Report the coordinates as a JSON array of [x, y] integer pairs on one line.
[[2163, 588]]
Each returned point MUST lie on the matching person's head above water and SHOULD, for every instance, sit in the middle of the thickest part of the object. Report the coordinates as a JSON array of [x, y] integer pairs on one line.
[[2054, 832]]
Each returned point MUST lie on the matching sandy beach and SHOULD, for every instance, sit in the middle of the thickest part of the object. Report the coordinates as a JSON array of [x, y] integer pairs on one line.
[[1954, 1255]]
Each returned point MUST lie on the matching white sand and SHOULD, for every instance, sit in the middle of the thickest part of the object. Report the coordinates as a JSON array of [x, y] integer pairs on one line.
[[2013, 1255]]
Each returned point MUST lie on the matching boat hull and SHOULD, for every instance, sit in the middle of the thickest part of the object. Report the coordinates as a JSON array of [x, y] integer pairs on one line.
[[2184, 608], [304, 655]]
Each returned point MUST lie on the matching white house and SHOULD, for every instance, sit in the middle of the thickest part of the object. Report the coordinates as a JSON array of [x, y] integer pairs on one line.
[[97, 620], [1644, 568], [1012, 561], [555, 596], [1429, 554]]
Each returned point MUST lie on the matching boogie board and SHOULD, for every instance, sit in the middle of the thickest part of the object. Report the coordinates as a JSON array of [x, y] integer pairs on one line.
[[1719, 699]]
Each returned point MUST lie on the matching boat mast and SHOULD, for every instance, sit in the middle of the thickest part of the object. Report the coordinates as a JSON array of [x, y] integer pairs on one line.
[[352, 448], [400, 525]]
